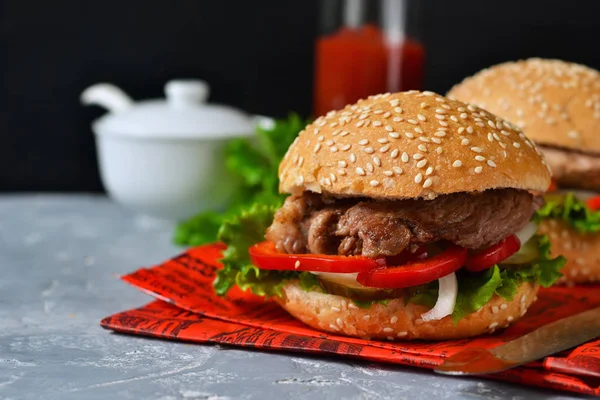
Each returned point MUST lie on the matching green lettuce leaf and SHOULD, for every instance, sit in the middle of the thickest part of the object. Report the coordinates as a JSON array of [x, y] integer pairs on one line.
[[253, 164], [571, 210], [476, 289], [240, 232]]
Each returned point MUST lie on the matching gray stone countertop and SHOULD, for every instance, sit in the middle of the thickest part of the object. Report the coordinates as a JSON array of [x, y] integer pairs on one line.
[[60, 256]]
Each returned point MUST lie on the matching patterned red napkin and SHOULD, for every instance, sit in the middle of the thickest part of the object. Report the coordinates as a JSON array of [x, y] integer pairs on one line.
[[196, 314]]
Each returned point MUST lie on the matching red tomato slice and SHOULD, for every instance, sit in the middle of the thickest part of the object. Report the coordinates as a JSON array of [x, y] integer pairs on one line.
[[416, 273], [493, 255], [553, 186], [593, 203], [264, 256]]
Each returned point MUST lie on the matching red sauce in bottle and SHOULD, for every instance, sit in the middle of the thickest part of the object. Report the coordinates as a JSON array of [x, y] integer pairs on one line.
[[355, 63]]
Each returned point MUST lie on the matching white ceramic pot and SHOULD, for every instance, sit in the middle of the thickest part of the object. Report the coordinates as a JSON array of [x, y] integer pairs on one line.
[[165, 158]]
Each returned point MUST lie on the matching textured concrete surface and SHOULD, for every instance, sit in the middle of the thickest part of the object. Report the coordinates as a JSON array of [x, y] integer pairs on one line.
[[59, 259]]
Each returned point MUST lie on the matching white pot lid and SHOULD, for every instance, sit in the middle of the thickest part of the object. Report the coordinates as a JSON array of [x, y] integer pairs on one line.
[[184, 114]]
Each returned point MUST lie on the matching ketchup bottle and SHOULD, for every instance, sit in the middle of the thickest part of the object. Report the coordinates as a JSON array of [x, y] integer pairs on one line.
[[366, 47]]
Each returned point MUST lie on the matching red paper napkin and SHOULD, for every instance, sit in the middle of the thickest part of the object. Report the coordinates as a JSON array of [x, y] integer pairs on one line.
[[196, 314]]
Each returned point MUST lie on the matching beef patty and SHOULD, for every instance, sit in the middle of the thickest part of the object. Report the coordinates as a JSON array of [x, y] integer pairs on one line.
[[311, 223], [573, 169]]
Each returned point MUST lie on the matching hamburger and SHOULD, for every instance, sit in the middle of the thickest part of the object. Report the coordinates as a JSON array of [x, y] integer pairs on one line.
[[408, 217], [557, 104]]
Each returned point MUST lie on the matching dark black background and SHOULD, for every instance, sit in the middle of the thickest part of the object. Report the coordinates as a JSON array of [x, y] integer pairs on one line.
[[257, 55]]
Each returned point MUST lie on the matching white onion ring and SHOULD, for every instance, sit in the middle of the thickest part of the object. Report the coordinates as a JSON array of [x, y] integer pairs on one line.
[[446, 299], [527, 232]]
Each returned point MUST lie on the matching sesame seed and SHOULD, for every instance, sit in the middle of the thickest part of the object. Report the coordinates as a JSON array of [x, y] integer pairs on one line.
[[436, 140], [321, 138], [335, 133], [491, 163], [412, 121], [503, 146], [418, 156], [495, 310], [370, 167], [394, 153], [397, 119], [300, 161], [382, 140], [457, 163], [341, 172], [428, 182], [363, 116], [490, 137], [333, 149], [339, 322], [346, 147], [419, 178], [510, 318], [360, 171], [317, 148], [469, 129], [402, 334], [336, 309], [368, 150], [495, 135], [439, 150], [342, 164], [493, 325], [377, 161], [297, 264], [405, 157], [394, 135], [438, 116], [461, 129], [440, 134], [409, 135], [386, 114], [429, 171], [398, 170], [471, 108], [503, 306], [440, 111], [428, 93], [478, 170], [443, 123], [465, 142], [398, 110], [378, 112], [388, 173], [377, 123], [394, 102], [363, 142], [463, 115], [388, 330], [480, 124], [516, 144], [333, 327], [477, 149], [326, 182], [374, 183], [418, 130], [344, 133], [421, 117], [422, 147], [421, 163], [573, 134], [366, 317], [389, 128], [479, 158]]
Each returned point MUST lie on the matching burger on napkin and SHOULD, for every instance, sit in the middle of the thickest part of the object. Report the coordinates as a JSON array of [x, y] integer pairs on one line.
[[408, 218], [557, 104]]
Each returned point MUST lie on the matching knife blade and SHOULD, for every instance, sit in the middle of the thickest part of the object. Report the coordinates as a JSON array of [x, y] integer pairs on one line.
[[546, 340]]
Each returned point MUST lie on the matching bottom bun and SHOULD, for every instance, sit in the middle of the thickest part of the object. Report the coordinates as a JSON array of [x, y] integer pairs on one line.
[[395, 321], [582, 251]]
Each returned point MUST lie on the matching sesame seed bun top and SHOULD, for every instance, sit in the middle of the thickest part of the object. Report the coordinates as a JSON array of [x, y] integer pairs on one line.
[[411, 145], [555, 102]]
